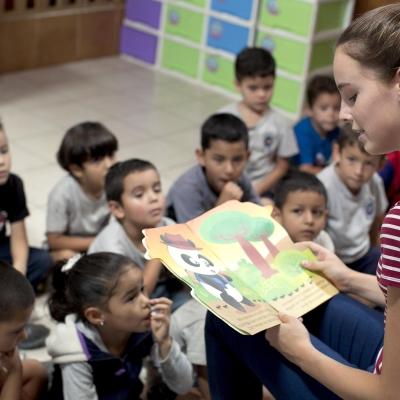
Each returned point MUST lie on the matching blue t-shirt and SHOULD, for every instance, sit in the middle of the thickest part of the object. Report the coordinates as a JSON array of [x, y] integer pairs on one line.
[[313, 149]]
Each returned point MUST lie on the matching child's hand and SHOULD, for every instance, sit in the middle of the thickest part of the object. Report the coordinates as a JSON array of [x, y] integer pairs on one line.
[[10, 363], [231, 191], [160, 318], [327, 264], [291, 338]]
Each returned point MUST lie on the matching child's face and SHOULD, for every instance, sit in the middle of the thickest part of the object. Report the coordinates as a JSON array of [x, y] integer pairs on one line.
[[92, 173], [303, 215], [142, 201], [325, 112], [128, 308], [355, 168], [12, 332], [371, 105], [223, 162], [256, 92], [5, 158]]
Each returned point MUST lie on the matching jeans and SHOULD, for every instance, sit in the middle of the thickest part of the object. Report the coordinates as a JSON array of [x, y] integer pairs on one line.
[[238, 365], [368, 262]]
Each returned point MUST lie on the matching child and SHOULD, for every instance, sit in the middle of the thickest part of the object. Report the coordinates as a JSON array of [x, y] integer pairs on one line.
[[366, 68], [136, 201], [356, 203], [316, 133], [219, 176], [301, 208], [77, 207], [272, 140], [32, 262], [25, 379], [107, 325]]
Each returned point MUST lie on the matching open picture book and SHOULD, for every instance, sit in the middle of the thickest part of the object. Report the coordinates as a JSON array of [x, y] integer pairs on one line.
[[241, 265]]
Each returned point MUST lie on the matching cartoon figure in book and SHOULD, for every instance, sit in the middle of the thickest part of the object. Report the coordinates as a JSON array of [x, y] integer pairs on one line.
[[208, 275]]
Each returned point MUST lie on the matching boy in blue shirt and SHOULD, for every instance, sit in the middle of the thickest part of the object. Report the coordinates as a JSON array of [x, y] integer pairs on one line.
[[316, 133]]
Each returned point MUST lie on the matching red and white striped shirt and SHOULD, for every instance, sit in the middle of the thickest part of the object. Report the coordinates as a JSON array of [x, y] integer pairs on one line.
[[388, 271]]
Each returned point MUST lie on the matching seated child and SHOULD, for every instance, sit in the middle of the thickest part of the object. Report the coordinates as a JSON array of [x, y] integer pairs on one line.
[[301, 208], [77, 207], [107, 325], [136, 201], [316, 133], [272, 141], [24, 379], [218, 176], [32, 262], [356, 203]]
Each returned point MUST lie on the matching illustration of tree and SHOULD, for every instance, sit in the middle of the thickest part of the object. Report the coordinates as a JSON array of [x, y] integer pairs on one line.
[[234, 226]]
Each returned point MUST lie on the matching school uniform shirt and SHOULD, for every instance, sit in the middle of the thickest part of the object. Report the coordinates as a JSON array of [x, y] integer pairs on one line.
[[12, 203], [313, 149], [351, 216], [191, 195], [272, 136], [71, 212], [84, 369], [388, 271]]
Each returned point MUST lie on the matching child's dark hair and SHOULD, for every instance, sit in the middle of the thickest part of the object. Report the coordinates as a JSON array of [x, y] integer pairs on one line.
[[254, 62], [320, 84], [90, 282], [84, 142], [348, 137], [226, 127], [114, 185], [16, 292], [298, 181]]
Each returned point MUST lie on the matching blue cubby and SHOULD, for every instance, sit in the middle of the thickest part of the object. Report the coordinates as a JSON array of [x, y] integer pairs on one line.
[[241, 9]]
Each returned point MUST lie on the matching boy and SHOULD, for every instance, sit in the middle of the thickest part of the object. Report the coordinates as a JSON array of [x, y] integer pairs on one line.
[[272, 141], [18, 379], [136, 201], [316, 133], [77, 207], [32, 262], [219, 176], [356, 202], [301, 208]]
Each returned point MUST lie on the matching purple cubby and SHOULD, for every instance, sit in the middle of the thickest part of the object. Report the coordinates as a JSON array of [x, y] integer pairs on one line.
[[139, 44], [144, 11]]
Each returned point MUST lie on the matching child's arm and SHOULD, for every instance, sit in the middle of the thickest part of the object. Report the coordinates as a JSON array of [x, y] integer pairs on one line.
[[11, 367], [230, 191], [375, 229], [59, 241], [311, 169], [273, 177], [77, 381], [151, 274], [292, 340], [19, 246]]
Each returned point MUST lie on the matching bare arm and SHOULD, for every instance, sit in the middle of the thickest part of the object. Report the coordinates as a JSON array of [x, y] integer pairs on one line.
[[270, 179], [311, 169], [19, 246], [12, 386], [58, 241], [375, 228], [151, 274]]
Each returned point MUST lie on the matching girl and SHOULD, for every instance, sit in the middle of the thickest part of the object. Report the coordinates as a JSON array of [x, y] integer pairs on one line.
[[107, 326], [295, 364]]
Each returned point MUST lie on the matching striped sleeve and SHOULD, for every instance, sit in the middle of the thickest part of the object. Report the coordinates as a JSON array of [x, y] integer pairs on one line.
[[389, 268]]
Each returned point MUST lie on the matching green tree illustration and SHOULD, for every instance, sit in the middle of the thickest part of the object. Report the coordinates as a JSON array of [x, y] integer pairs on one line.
[[234, 226]]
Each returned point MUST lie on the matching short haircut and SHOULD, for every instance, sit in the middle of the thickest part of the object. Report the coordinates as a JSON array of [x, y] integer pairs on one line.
[[298, 181], [348, 137], [254, 62], [87, 141], [16, 293], [114, 185], [226, 127], [320, 84]]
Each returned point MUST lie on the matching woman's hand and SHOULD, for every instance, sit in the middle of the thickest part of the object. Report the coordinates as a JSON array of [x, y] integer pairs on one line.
[[290, 338], [327, 264], [160, 319]]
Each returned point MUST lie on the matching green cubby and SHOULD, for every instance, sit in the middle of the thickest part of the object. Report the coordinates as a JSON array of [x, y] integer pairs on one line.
[[287, 94], [218, 71]]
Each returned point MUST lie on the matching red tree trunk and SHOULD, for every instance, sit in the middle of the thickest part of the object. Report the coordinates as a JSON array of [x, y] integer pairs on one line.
[[270, 246]]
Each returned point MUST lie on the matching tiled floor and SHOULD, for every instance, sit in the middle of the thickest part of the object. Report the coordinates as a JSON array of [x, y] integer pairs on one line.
[[154, 116]]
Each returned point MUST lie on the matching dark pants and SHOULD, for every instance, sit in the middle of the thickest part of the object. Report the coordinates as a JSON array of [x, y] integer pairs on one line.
[[368, 262], [342, 328], [39, 262]]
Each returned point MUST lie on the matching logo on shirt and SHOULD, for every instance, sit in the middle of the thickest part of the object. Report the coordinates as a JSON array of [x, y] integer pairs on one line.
[[320, 160], [369, 207], [3, 219], [268, 140]]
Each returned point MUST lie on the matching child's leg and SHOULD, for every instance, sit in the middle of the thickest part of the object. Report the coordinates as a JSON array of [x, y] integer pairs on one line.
[[34, 379], [367, 263], [39, 264]]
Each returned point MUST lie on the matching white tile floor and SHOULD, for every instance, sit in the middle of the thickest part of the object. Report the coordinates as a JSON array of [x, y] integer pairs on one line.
[[154, 116]]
